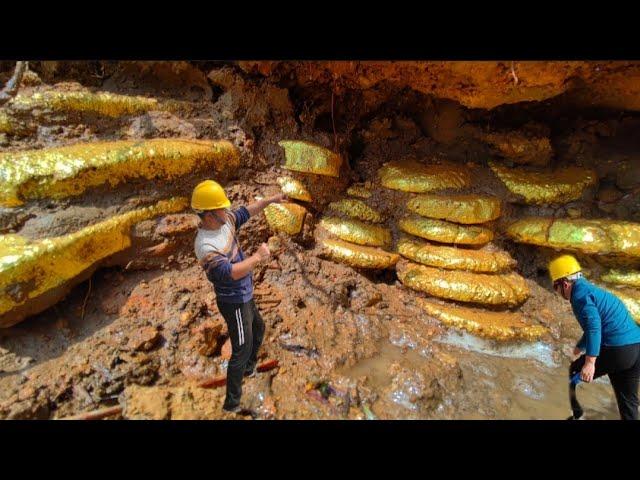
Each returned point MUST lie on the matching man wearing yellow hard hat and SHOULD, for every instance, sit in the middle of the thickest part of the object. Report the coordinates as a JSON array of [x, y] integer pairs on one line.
[[611, 339], [226, 266]]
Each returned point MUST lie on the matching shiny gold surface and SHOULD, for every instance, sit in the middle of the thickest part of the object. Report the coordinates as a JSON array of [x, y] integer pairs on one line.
[[100, 103], [359, 191], [622, 277], [293, 188], [285, 217], [452, 258], [68, 171], [308, 157], [537, 188], [465, 209], [499, 289], [31, 268], [411, 176], [356, 209], [445, 232], [496, 325], [358, 255], [588, 236], [355, 231]]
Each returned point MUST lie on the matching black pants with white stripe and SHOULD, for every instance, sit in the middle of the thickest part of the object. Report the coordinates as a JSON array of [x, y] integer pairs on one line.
[[246, 330]]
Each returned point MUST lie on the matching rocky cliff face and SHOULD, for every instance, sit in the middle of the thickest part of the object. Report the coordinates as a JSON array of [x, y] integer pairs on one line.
[[425, 199]]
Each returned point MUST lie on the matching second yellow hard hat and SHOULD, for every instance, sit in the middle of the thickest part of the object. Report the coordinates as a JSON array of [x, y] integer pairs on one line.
[[563, 266]]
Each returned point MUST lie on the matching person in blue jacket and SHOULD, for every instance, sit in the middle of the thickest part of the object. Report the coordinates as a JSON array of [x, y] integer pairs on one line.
[[610, 344]]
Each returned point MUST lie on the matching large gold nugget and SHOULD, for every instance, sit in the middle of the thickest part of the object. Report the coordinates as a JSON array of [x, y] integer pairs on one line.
[[285, 217], [358, 255], [465, 209], [308, 157], [495, 325], [99, 103], [589, 236], [452, 258], [29, 269], [356, 209], [68, 171], [622, 277], [293, 188], [536, 188], [500, 289], [358, 232], [411, 176], [445, 232]]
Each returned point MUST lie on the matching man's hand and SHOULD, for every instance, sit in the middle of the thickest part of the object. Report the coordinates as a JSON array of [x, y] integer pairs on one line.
[[281, 197], [263, 252], [588, 370]]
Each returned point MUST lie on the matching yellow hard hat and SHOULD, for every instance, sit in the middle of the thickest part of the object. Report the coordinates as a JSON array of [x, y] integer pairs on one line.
[[209, 195], [563, 266]]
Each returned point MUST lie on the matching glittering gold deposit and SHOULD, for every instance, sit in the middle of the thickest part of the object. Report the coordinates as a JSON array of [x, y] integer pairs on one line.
[[445, 232], [589, 236], [452, 258], [465, 209], [358, 232], [358, 255], [499, 289], [31, 268], [537, 188], [356, 209], [495, 325], [411, 176], [293, 188], [68, 171], [285, 217], [307, 157], [630, 278]]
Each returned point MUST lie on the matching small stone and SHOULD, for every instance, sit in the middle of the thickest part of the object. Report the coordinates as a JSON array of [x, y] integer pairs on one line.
[[143, 339], [207, 337], [178, 224]]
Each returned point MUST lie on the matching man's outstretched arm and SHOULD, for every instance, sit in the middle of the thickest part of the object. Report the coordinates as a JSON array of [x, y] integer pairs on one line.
[[256, 207]]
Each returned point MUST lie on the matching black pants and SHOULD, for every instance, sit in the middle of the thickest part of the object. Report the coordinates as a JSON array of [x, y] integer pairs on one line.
[[246, 330], [622, 364]]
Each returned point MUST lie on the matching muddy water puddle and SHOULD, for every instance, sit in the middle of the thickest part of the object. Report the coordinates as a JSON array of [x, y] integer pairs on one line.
[[523, 381]]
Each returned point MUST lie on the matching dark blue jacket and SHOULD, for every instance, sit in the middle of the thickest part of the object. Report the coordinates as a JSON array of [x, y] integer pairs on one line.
[[603, 317]]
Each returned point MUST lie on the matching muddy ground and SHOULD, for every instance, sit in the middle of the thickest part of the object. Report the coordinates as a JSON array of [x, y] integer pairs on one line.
[[144, 331]]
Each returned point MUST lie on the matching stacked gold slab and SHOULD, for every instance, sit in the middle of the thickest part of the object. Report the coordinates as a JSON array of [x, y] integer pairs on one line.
[[412, 176], [355, 231], [357, 255], [494, 325], [506, 289], [538, 188], [452, 258], [465, 209], [604, 237]]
